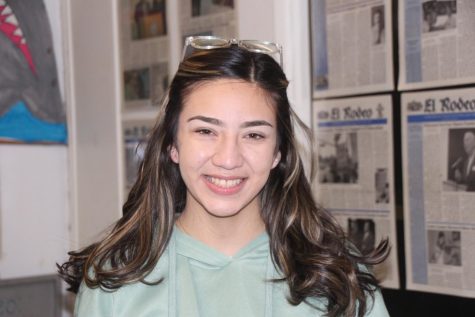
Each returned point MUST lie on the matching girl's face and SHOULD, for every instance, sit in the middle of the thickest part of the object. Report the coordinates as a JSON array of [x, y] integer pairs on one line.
[[225, 147]]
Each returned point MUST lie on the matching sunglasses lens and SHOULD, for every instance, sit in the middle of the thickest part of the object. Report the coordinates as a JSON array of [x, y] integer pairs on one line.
[[205, 43], [260, 47]]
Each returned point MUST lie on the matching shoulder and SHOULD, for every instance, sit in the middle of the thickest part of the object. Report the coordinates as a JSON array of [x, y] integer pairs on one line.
[[376, 307], [92, 302], [317, 307]]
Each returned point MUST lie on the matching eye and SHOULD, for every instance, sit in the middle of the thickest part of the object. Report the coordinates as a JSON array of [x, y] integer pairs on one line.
[[255, 136], [204, 131]]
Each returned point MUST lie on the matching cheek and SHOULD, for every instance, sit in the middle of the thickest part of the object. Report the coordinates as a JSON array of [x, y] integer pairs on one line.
[[193, 156], [262, 161]]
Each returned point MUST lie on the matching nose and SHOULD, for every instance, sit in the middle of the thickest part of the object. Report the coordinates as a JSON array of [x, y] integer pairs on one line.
[[228, 154]]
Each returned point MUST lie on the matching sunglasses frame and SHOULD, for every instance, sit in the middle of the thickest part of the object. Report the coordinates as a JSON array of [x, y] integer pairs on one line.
[[216, 42]]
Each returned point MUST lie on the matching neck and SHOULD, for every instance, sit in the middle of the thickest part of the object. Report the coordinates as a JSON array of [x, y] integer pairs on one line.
[[227, 235]]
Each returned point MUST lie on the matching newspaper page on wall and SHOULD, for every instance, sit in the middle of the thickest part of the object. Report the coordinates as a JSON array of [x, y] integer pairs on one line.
[[438, 138], [208, 17], [144, 53], [355, 172], [436, 42], [351, 47]]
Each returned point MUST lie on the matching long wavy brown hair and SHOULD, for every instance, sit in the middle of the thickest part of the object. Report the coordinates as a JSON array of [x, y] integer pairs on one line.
[[307, 245]]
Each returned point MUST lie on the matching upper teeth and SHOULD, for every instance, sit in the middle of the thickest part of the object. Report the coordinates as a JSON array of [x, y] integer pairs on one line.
[[225, 183]]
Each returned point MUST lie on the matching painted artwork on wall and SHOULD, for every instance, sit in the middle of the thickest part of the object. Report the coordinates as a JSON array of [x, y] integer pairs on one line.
[[31, 108]]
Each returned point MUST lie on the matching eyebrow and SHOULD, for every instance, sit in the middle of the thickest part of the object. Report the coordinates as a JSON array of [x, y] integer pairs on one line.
[[247, 124]]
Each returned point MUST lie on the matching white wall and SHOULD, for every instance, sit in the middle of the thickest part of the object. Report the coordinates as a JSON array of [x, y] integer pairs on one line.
[[33, 209], [93, 79]]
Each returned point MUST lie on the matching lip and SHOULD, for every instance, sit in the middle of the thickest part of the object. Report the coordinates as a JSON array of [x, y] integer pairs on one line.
[[231, 189]]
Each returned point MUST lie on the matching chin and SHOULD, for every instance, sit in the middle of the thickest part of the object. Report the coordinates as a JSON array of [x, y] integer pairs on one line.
[[228, 209], [220, 213]]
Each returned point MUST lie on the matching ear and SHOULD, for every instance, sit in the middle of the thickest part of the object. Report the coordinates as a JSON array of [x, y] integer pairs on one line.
[[174, 154], [276, 159]]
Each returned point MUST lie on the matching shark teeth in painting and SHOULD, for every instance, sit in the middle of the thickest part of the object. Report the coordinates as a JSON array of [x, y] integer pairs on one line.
[[12, 20], [6, 9]]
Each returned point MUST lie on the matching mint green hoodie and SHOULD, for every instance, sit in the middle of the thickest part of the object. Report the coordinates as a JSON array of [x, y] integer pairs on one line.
[[202, 282]]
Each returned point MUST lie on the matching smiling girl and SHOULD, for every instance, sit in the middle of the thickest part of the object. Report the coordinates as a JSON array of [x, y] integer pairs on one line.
[[221, 220]]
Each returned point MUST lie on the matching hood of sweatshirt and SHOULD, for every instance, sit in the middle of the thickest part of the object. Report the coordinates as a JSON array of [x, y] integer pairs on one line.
[[211, 283]]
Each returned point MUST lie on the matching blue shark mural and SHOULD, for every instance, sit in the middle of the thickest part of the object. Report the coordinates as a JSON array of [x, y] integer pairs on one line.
[[31, 109]]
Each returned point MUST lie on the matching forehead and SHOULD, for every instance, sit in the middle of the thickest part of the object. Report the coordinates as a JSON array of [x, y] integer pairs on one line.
[[229, 98]]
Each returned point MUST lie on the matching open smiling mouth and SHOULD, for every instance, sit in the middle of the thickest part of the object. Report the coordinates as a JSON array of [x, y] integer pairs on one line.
[[225, 184]]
